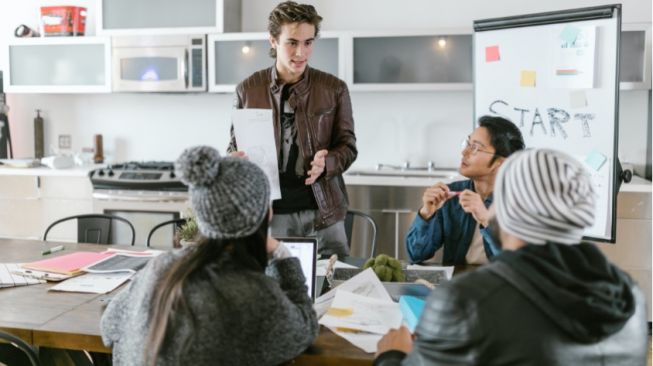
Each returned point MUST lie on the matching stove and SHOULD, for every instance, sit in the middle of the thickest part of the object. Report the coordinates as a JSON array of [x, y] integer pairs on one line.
[[138, 176]]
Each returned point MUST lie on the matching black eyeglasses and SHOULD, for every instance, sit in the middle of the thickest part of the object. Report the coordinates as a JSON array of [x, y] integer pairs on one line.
[[473, 148]]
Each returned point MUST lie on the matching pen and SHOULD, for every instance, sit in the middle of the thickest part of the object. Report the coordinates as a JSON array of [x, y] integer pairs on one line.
[[354, 330], [58, 248]]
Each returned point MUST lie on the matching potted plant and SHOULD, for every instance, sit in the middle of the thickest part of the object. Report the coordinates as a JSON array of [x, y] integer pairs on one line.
[[188, 233]]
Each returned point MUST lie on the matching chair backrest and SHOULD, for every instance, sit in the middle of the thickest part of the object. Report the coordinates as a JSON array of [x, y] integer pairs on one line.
[[350, 219], [94, 228], [176, 222], [13, 341]]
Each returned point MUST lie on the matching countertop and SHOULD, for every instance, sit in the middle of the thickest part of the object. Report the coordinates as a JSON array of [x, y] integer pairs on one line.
[[422, 178], [76, 171]]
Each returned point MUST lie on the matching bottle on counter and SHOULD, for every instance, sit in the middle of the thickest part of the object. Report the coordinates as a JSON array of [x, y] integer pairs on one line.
[[98, 158], [38, 135]]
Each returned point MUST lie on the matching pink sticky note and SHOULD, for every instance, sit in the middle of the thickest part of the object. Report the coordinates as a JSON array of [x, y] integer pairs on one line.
[[492, 54]]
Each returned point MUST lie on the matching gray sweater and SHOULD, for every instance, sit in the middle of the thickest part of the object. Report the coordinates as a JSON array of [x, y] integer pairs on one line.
[[244, 317]]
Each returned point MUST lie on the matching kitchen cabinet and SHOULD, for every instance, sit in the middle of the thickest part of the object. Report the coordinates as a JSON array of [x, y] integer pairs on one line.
[[29, 203], [235, 56], [127, 17], [438, 60], [59, 65], [635, 58]]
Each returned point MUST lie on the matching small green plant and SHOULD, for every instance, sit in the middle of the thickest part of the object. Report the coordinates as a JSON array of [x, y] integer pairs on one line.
[[386, 268], [189, 231]]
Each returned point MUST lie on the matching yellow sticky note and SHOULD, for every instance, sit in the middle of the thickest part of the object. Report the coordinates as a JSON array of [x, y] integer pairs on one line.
[[527, 78]]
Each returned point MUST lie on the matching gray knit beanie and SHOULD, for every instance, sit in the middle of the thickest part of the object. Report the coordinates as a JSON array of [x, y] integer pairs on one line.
[[544, 195], [230, 196]]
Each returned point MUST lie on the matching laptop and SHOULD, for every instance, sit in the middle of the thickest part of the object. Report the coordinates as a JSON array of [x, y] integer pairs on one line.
[[306, 250]]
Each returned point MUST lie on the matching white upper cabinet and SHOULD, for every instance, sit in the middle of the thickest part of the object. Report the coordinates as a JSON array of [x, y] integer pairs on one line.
[[233, 57], [129, 17], [635, 60], [59, 65], [437, 60]]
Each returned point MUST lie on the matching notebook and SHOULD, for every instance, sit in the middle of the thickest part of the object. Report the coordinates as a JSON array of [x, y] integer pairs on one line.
[[68, 264], [306, 250]]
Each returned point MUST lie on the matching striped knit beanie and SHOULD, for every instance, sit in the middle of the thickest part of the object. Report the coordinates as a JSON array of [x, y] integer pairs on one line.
[[544, 195], [230, 196]]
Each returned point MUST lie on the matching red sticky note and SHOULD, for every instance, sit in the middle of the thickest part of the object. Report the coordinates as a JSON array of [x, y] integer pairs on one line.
[[492, 53]]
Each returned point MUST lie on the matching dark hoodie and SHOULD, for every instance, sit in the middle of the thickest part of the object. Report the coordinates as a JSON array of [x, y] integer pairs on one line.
[[575, 285]]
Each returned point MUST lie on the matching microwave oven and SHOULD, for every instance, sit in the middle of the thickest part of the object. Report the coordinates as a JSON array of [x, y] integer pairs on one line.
[[161, 63]]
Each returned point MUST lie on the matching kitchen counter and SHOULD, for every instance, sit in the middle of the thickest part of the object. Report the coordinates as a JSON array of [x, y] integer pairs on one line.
[[423, 178], [76, 171]]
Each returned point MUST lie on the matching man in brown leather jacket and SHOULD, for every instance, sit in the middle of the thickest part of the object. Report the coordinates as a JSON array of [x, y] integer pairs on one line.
[[547, 300], [313, 127]]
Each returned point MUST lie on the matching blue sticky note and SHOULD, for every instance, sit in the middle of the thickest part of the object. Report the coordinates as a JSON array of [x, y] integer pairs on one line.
[[595, 160], [570, 33], [411, 308]]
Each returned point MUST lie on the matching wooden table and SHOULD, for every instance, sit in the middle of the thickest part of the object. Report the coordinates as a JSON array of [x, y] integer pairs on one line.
[[72, 320]]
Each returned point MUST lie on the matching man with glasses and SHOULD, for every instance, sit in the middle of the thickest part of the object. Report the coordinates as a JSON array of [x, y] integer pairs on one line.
[[456, 216]]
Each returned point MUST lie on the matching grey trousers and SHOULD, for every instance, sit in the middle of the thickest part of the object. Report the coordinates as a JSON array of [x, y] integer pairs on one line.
[[331, 239]]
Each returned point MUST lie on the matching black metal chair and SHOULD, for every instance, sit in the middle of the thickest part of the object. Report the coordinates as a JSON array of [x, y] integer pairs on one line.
[[177, 222], [350, 219], [8, 355], [94, 228]]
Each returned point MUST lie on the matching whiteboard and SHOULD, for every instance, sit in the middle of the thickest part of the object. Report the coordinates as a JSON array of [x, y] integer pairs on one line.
[[557, 80]]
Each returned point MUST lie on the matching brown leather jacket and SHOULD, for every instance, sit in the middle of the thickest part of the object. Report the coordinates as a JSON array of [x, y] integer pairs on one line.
[[324, 120]]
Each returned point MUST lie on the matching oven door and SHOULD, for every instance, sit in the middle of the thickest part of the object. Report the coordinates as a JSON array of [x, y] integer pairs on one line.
[[144, 210], [147, 69]]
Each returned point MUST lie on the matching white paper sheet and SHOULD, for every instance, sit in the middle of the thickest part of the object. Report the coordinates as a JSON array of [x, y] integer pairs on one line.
[[365, 341], [448, 270], [253, 129], [365, 283], [95, 283], [573, 58]]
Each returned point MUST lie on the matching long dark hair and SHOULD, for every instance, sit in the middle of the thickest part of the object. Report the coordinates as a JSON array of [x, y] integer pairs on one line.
[[250, 252]]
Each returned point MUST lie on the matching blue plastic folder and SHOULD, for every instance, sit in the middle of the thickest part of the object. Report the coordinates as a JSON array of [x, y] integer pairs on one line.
[[411, 308]]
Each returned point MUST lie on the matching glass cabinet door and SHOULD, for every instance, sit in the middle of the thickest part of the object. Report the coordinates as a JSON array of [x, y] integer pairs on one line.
[[635, 57], [66, 65], [232, 60], [120, 17], [412, 62]]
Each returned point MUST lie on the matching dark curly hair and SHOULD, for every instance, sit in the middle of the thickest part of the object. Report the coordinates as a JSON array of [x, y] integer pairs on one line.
[[291, 12]]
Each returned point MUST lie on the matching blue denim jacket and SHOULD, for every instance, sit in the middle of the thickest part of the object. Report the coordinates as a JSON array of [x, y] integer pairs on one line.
[[451, 227]]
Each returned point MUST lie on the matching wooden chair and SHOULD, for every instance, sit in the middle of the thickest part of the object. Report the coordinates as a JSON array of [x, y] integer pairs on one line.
[[94, 228]]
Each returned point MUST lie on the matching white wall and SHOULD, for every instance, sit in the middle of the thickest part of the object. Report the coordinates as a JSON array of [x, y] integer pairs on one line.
[[391, 127]]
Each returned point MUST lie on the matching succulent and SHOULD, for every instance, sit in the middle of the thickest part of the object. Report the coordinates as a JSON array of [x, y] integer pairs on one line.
[[189, 231], [386, 268]]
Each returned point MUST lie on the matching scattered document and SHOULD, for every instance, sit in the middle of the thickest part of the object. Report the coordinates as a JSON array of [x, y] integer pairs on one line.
[[119, 262], [9, 278], [362, 320], [95, 283], [68, 264], [253, 129], [448, 270], [365, 283]]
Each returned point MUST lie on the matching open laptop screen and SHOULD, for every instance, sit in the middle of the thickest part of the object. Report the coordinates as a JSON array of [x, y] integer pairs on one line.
[[306, 250]]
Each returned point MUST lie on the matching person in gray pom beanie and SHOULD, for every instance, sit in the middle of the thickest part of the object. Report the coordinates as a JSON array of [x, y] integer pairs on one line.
[[547, 299], [237, 297]]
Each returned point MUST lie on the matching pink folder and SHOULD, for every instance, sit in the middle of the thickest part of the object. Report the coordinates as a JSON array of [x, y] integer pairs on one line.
[[69, 264]]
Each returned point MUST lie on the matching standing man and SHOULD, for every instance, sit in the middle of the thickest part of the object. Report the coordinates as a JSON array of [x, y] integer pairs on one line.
[[313, 127], [547, 299], [456, 216]]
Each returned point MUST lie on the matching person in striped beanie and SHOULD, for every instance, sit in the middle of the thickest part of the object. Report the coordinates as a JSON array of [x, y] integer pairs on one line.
[[548, 299]]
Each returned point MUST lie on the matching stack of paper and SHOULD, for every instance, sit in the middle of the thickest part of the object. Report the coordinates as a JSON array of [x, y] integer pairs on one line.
[[359, 310], [9, 278]]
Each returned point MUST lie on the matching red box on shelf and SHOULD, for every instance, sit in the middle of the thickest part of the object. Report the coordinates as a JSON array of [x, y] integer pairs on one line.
[[63, 20]]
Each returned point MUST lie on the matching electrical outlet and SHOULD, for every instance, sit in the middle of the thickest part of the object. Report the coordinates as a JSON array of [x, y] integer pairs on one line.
[[64, 141]]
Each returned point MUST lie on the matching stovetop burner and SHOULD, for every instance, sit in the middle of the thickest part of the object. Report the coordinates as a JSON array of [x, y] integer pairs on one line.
[[144, 165], [135, 175]]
